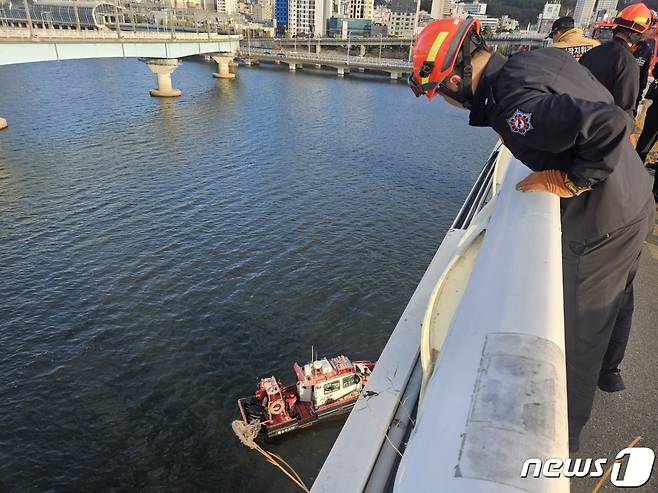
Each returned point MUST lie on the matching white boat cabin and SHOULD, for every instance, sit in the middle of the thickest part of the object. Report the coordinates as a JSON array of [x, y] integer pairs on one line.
[[325, 381]]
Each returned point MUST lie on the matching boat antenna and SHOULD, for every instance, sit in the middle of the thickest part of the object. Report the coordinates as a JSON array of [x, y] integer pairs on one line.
[[311, 354]]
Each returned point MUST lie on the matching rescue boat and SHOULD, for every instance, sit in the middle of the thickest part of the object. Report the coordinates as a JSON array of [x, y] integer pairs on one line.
[[325, 388]]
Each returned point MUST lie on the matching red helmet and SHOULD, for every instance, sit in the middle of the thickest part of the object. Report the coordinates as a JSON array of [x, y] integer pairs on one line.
[[636, 17], [436, 52]]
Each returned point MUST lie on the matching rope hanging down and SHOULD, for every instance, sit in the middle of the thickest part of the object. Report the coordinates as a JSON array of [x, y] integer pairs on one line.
[[247, 434]]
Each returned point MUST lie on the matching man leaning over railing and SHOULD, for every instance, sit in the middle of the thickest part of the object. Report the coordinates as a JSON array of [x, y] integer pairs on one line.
[[557, 119]]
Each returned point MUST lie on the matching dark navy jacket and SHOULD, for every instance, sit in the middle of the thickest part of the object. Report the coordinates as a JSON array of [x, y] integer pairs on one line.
[[553, 114], [643, 54], [615, 67]]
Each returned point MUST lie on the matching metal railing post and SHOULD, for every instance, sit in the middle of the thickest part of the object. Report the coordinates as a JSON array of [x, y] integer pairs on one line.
[[77, 15], [171, 24], [28, 16], [116, 19]]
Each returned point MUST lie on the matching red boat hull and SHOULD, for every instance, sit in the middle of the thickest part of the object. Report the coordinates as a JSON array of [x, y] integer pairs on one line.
[[292, 413]]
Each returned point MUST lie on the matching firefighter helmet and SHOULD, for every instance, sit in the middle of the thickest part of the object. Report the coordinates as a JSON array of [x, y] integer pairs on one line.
[[636, 17], [437, 52]]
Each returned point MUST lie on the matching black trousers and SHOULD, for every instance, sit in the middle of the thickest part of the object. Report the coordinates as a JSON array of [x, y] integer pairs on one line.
[[648, 138], [597, 275]]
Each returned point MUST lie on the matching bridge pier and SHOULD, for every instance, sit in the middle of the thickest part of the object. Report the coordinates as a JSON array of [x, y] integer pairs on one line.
[[223, 63], [318, 49], [292, 66], [341, 71], [163, 68], [318, 65], [395, 75], [362, 50], [3, 123]]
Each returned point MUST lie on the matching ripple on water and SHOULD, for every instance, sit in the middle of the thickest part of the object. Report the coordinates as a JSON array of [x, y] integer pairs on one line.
[[157, 256]]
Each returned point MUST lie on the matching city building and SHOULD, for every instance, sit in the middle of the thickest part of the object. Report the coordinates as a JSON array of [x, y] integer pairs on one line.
[[188, 4], [244, 8], [360, 9], [378, 31], [308, 17], [438, 9], [381, 15], [424, 18], [448, 7], [343, 8], [508, 24], [463, 9], [548, 16], [491, 23], [263, 11], [477, 10], [341, 27], [403, 17], [227, 6], [583, 14], [605, 10], [281, 15]]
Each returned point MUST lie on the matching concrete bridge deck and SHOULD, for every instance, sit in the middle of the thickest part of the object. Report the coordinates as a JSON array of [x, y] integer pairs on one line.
[[23, 46], [342, 64], [160, 51]]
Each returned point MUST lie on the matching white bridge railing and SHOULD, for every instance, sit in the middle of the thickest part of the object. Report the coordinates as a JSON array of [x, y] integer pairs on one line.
[[472, 381], [8, 33]]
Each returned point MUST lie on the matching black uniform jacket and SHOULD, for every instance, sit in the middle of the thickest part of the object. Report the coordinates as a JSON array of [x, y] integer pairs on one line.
[[643, 54], [615, 67], [553, 114]]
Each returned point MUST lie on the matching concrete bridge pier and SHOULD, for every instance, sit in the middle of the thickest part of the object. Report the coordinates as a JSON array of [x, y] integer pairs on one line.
[[3, 123], [223, 62], [163, 68], [318, 65], [342, 71], [292, 66], [318, 49], [362, 50], [395, 75]]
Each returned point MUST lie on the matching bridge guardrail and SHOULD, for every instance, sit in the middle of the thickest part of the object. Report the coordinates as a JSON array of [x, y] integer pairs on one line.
[[72, 34], [313, 57]]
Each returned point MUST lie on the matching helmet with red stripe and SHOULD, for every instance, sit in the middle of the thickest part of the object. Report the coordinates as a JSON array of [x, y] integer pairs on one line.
[[442, 47]]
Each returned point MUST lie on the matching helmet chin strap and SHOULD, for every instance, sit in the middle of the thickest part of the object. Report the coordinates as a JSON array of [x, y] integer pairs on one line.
[[464, 95]]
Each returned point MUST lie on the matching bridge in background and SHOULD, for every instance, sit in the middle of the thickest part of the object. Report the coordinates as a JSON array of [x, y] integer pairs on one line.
[[534, 40], [343, 64], [159, 51]]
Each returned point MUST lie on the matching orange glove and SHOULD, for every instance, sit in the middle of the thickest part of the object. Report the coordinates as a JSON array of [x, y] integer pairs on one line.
[[551, 180]]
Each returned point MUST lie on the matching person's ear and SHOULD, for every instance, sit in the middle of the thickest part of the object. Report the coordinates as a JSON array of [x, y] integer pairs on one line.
[[455, 79]]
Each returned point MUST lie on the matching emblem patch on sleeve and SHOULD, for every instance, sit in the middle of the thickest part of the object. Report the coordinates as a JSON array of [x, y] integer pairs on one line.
[[520, 122]]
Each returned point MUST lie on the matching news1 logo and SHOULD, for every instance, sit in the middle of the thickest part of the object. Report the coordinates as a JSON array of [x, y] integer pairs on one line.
[[638, 460]]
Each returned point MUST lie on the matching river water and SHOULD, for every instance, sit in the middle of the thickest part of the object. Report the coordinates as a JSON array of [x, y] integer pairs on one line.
[[157, 256]]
